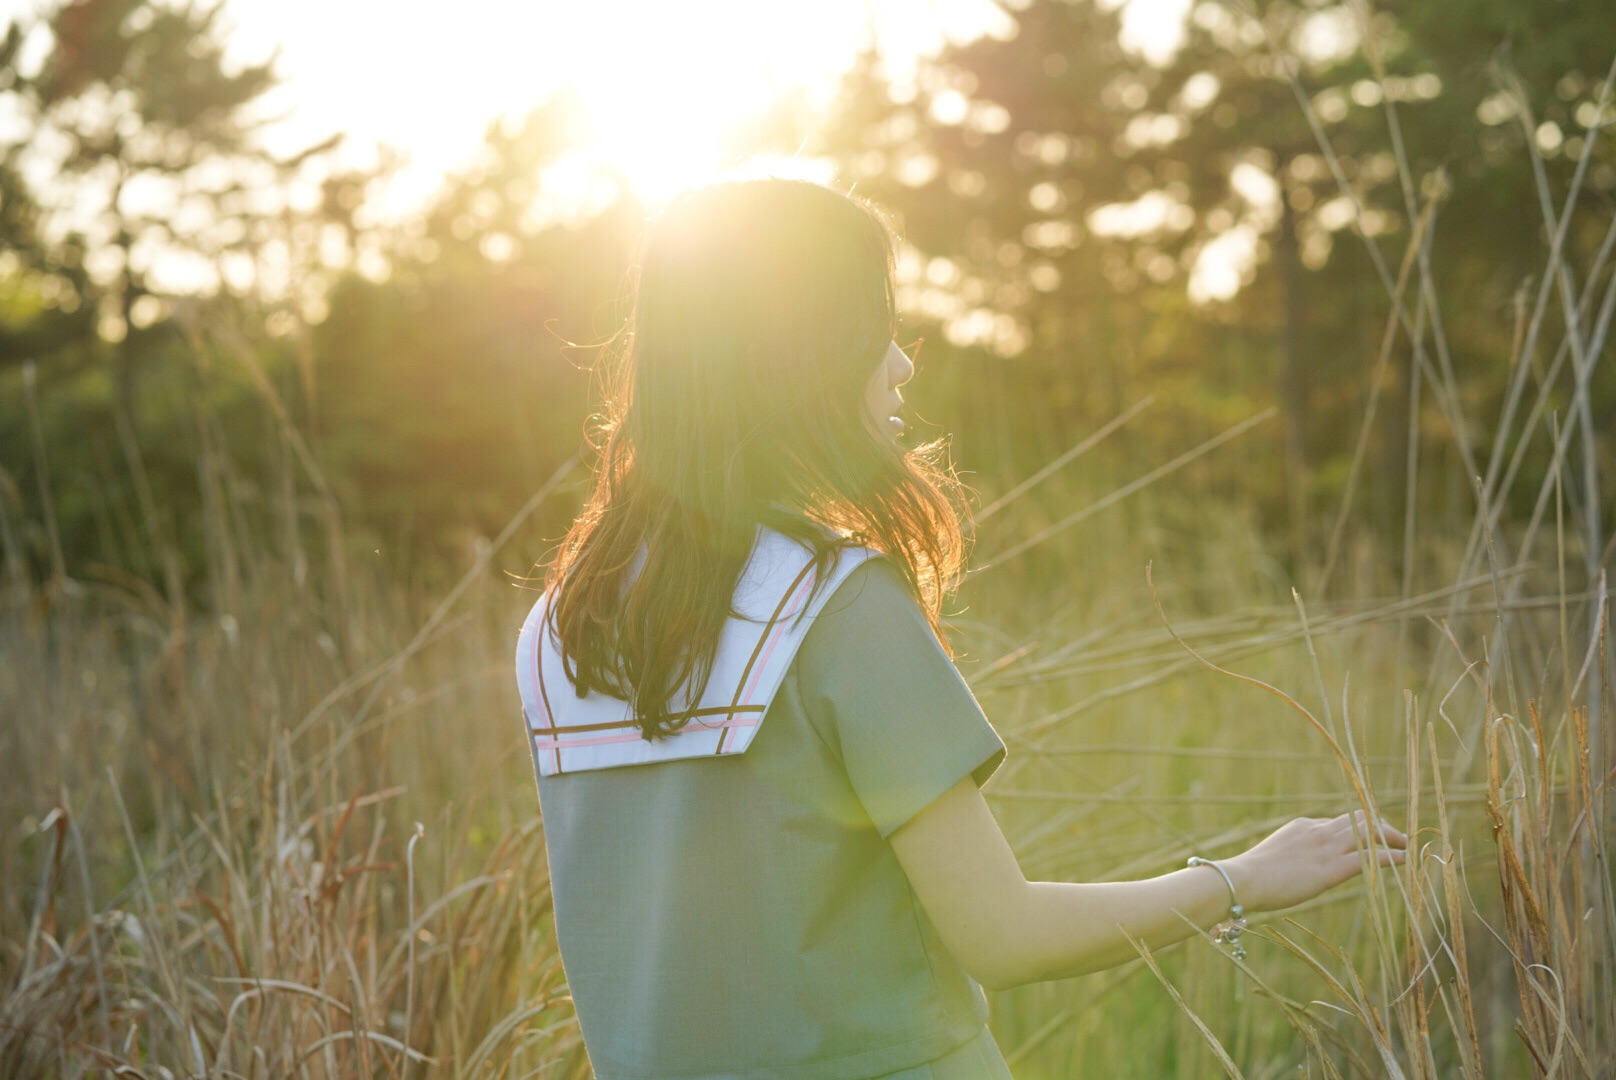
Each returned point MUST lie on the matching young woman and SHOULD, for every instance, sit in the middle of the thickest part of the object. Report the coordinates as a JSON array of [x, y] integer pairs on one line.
[[758, 767]]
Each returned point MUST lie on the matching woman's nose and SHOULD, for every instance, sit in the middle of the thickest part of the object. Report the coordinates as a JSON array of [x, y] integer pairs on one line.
[[900, 369]]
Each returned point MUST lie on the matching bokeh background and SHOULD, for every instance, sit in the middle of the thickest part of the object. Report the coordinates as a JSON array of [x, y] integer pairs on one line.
[[1305, 306]]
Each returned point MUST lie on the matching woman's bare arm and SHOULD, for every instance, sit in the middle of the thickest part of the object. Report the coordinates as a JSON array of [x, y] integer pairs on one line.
[[1006, 930]]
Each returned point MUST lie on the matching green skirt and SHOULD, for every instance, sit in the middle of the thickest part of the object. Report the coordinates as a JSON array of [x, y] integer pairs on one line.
[[978, 1059]]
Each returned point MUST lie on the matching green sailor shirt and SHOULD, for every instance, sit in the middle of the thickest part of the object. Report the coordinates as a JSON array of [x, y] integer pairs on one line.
[[742, 915]]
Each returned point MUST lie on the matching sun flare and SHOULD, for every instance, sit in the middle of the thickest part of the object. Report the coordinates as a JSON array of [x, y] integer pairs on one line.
[[659, 138], [661, 83]]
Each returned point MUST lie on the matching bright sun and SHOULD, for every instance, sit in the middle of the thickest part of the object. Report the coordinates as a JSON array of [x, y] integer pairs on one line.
[[659, 137], [662, 80]]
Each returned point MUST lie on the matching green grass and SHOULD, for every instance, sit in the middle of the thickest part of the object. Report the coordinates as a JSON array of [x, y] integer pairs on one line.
[[214, 862], [1129, 754], [292, 831]]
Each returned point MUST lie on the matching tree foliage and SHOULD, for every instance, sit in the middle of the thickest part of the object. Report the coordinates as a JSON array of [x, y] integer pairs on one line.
[[1067, 196], [1219, 226]]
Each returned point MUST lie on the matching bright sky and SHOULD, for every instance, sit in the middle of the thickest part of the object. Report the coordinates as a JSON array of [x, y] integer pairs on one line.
[[662, 77]]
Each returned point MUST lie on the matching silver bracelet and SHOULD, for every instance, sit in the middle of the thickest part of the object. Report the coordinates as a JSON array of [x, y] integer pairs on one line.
[[1227, 933]]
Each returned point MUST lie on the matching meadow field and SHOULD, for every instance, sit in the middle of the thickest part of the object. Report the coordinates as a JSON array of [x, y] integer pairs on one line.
[[299, 836], [266, 809]]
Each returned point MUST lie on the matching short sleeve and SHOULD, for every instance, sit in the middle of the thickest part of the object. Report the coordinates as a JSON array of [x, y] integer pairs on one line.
[[883, 693]]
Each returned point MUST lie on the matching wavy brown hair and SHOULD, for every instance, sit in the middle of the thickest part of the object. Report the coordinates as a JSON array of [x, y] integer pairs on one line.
[[761, 311]]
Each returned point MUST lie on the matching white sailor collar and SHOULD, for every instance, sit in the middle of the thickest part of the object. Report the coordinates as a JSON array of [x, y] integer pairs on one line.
[[776, 599]]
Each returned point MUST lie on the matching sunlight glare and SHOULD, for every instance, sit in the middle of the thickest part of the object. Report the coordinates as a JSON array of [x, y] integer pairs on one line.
[[663, 83], [659, 99]]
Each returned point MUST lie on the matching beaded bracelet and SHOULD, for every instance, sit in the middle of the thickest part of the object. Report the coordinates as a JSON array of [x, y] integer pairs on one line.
[[1227, 933]]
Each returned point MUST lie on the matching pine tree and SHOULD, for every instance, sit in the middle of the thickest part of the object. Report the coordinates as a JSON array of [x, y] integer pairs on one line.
[[135, 173]]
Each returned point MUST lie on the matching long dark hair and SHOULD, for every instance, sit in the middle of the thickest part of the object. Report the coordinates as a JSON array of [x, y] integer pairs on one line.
[[762, 308]]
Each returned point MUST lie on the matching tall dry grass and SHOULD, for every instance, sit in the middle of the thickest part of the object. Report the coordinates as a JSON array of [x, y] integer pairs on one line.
[[291, 831], [282, 833], [1469, 697]]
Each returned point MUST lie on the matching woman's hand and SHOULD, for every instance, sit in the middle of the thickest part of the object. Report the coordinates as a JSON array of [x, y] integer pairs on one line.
[[1007, 930], [1307, 856]]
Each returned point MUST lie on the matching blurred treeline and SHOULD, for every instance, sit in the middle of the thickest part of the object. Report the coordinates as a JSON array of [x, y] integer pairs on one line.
[[195, 331]]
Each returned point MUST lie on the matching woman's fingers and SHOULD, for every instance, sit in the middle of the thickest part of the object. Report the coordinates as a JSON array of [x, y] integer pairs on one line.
[[1391, 834], [1354, 824], [1306, 856], [1351, 864]]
